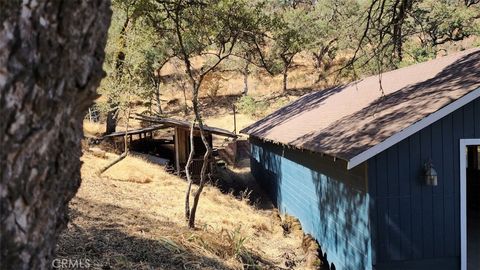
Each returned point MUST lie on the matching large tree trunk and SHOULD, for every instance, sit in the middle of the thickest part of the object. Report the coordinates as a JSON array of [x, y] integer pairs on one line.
[[51, 55]]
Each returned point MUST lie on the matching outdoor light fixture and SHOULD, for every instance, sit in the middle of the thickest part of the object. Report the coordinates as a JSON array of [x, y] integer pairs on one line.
[[431, 177]]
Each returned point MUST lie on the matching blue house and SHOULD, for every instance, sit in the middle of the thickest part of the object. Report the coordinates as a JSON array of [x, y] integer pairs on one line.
[[383, 172]]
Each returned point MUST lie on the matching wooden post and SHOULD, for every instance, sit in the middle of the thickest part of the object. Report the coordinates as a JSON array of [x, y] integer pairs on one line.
[[90, 114], [177, 152], [234, 120]]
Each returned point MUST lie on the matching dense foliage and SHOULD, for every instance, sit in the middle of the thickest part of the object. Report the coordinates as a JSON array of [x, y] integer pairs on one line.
[[374, 35]]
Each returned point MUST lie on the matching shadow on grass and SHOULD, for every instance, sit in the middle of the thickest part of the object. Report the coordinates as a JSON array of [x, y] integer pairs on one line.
[[111, 237], [241, 184]]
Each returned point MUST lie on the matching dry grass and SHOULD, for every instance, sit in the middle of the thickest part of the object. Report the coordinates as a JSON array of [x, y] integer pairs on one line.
[[225, 121], [132, 169], [132, 218], [93, 129]]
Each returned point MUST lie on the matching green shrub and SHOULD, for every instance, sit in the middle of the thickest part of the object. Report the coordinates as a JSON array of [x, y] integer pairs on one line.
[[248, 105]]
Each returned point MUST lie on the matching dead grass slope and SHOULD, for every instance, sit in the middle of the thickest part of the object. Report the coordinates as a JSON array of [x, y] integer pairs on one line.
[[132, 218]]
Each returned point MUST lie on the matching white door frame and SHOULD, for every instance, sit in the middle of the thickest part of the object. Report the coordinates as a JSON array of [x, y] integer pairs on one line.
[[463, 198]]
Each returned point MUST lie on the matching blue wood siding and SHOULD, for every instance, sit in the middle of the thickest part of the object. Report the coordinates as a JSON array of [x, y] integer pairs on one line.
[[414, 225], [330, 202]]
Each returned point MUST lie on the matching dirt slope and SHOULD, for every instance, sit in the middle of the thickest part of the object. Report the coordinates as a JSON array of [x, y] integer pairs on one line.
[[132, 218]]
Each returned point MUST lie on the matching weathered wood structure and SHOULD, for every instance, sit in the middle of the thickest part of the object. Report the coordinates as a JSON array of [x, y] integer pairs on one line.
[[141, 132], [355, 164], [181, 139], [182, 149]]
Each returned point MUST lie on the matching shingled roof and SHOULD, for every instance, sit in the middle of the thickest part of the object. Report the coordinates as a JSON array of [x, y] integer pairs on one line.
[[357, 121]]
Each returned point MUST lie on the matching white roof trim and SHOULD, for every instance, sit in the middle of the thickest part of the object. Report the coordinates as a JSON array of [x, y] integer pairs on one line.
[[410, 130]]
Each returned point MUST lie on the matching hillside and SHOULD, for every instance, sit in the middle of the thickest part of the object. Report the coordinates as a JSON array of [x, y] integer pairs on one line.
[[132, 218]]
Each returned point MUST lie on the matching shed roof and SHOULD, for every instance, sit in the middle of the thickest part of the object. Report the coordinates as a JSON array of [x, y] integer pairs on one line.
[[134, 131], [356, 121], [171, 122]]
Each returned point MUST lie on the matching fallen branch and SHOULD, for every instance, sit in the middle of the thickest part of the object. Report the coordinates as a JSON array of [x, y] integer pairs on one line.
[[122, 156]]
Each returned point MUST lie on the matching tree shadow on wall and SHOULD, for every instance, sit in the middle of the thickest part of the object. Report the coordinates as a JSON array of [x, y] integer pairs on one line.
[[344, 221], [267, 169]]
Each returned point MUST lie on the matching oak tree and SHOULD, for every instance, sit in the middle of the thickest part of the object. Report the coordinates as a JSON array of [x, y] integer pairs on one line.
[[51, 55]]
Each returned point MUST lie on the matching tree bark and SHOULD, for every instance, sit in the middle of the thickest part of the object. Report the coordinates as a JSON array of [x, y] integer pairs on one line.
[[111, 123], [51, 55], [285, 79]]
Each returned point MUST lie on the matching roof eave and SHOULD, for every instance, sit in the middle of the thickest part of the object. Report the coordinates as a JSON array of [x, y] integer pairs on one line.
[[298, 148], [412, 129]]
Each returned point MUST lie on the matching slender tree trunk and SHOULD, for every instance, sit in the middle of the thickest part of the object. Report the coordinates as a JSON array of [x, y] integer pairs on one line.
[[189, 175], [157, 96], [185, 108], [287, 63], [246, 72], [51, 55], [195, 87], [206, 159], [404, 6], [318, 60], [150, 104]]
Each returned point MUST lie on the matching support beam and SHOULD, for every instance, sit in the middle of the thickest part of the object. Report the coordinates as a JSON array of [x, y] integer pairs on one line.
[[177, 154]]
